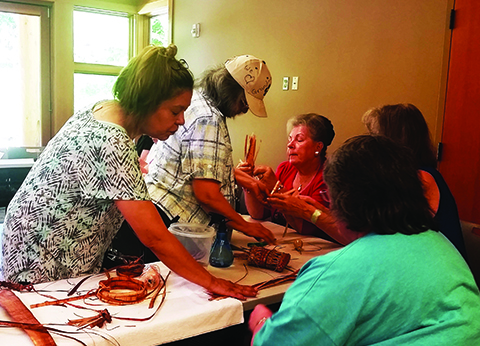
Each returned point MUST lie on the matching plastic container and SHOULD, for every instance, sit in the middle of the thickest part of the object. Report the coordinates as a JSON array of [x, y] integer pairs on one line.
[[197, 239]]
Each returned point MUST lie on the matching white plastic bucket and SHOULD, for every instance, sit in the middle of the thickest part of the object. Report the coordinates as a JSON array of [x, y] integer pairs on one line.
[[196, 238]]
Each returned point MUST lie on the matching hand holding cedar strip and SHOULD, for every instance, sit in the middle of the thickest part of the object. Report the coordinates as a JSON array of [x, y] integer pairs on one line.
[[250, 154], [251, 150]]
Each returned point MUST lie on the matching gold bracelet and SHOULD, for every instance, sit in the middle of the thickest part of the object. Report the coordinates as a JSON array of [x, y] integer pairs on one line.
[[316, 214]]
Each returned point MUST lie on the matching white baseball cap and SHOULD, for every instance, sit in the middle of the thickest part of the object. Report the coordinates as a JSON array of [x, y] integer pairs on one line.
[[254, 77]]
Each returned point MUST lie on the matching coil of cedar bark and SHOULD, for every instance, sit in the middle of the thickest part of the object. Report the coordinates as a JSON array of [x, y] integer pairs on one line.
[[121, 291]]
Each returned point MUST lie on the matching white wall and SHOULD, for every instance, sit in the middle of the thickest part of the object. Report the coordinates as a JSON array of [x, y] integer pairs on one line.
[[349, 55]]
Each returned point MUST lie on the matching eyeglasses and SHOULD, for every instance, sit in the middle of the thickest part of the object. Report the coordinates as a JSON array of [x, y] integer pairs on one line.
[[179, 64], [184, 63]]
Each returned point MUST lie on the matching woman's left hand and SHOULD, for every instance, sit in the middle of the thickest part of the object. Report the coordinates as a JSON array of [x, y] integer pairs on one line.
[[266, 175], [223, 287], [260, 191], [254, 186]]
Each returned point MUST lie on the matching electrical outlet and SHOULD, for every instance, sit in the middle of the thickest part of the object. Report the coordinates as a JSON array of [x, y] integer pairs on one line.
[[294, 83], [285, 83], [195, 30]]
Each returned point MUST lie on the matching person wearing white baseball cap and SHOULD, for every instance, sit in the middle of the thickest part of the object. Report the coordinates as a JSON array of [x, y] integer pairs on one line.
[[254, 77], [191, 174]]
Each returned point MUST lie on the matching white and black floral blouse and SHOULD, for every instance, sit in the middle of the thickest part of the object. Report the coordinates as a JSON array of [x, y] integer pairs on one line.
[[63, 218]]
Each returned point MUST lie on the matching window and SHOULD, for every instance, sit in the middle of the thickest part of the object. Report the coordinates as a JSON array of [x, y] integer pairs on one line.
[[159, 29], [159, 12], [91, 88], [25, 75], [101, 41]]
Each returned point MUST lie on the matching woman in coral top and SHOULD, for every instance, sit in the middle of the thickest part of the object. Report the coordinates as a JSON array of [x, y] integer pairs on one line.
[[301, 175]]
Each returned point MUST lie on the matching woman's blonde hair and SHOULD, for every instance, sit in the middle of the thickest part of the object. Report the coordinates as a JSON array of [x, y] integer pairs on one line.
[[149, 79]]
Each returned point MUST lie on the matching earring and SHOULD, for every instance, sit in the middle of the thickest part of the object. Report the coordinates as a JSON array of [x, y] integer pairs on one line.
[[317, 153]]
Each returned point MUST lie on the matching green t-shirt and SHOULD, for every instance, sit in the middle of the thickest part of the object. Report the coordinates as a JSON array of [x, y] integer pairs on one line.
[[380, 290]]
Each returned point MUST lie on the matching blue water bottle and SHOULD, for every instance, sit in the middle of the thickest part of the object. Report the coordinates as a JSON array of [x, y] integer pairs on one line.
[[221, 254]]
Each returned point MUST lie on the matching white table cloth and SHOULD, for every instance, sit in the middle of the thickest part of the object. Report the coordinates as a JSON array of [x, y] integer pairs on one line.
[[186, 312]]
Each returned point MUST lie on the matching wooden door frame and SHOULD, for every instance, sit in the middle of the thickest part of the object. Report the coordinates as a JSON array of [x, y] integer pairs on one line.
[[437, 134]]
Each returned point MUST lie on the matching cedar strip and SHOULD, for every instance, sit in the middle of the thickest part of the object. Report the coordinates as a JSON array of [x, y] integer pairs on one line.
[[65, 300], [19, 313]]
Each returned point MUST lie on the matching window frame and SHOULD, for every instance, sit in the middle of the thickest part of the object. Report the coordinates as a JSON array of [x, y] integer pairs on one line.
[[154, 8], [101, 69], [43, 10], [139, 34], [104, 69], [58, 67]]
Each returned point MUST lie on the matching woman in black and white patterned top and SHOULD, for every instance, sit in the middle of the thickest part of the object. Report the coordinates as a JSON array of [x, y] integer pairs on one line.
[[88, 180]]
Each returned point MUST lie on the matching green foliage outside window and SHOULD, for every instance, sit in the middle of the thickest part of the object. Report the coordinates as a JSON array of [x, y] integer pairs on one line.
[[158, 34]]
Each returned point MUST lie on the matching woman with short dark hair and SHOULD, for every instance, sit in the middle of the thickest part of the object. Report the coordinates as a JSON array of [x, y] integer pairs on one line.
[[400, 283]]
